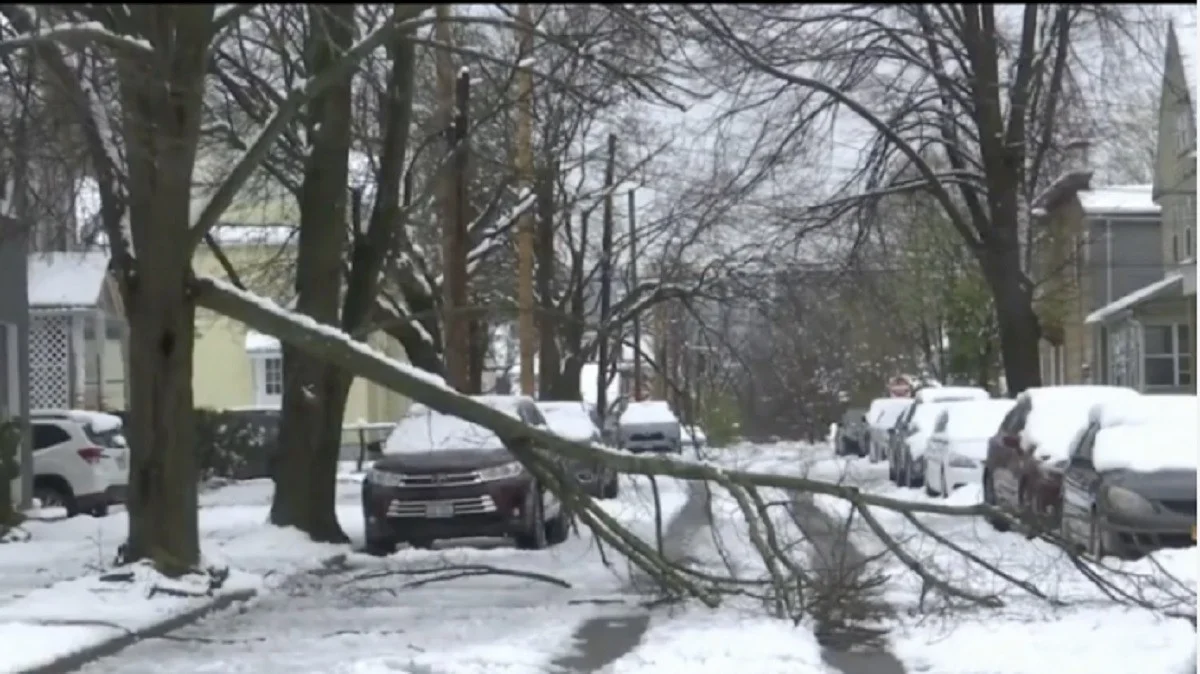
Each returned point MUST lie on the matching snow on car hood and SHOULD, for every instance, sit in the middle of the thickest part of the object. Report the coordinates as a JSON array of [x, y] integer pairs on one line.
[[1146, 448], [648, 412], [430, 431]]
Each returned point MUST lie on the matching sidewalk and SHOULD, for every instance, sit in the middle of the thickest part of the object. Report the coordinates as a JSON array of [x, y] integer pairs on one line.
[[64, 604]]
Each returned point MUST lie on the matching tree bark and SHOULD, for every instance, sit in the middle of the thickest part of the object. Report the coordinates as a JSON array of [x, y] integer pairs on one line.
[[1018, 323], [547, 320], [314, 391]]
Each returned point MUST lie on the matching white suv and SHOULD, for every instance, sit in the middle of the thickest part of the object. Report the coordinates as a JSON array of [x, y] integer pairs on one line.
[[80, 460]]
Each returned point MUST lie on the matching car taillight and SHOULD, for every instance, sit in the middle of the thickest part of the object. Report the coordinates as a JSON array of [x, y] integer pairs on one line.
[[91, 454]]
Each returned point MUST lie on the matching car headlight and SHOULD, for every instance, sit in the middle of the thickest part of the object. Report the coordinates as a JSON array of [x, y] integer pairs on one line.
[[503, 471], [384, 478], [1126, 501], [957, 461]]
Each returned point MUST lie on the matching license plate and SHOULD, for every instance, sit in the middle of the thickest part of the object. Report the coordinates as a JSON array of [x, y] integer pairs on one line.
[[439, 510]]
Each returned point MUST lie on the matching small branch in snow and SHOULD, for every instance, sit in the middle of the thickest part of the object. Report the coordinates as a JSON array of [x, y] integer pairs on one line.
[[439, 574]]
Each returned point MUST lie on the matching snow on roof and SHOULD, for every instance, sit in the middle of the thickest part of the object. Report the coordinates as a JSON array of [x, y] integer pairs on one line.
[[1145, 410], [1134, 298], [1058, 412], [976, 419], [72, 279], [1146, 448], [648, 412], [1186, 37], [257, 342], [1118, 199], [935, 394], [885, 411]]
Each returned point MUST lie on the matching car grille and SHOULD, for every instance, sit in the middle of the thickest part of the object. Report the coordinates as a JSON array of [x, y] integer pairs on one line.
[[474, 505], [1186, 507], [441, 479], [646, 437]]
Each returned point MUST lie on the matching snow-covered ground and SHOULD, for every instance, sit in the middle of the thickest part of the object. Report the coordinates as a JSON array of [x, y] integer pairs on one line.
[[1091, 632], [417, 610]]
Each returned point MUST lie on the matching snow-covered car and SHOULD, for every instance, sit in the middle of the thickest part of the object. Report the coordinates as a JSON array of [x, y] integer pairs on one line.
[[649, 426], [1028, 453], [1130, 483], [80, 460], [903, 468], [957, 449], [881, 419], [442, 477], [576, 420]]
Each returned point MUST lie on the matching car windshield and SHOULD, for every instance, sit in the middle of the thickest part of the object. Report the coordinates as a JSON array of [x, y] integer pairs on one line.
[[107, 439], [423, 430]]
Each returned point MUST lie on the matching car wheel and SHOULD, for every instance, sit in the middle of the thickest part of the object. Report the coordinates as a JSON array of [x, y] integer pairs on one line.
[[1096, 548], [534, 536], [989, 498], [612, 488], [380, 547], [54, 495], [558, 529]]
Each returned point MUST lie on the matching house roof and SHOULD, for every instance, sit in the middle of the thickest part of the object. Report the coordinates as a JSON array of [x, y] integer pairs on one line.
[[1186, 38], [1119, 199], [69, 280], [1167, 283], [257, 342]]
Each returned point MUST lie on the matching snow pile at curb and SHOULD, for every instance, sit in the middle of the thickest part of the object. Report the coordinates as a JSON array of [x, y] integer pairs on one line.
[[73, 616]]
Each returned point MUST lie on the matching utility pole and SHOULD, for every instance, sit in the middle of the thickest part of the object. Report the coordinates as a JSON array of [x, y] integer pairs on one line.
[[526, 327], [606, 243], [454, 252], [637, 316]]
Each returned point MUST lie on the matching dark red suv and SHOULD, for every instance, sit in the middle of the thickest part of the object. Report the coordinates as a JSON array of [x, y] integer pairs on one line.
[[440, 477]]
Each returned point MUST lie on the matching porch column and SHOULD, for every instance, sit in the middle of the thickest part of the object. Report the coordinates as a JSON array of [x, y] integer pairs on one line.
[[78, 374], [1192, 338], [99, 352]]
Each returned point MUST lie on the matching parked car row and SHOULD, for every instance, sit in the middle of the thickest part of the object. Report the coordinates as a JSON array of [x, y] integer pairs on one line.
[[1108, 469]]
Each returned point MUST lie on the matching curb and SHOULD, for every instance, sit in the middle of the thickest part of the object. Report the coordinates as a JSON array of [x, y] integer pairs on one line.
[[110, 647]]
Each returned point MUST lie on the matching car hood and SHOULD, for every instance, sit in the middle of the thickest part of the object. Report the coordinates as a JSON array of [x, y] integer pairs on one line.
[[1162, 484], [443, 460]]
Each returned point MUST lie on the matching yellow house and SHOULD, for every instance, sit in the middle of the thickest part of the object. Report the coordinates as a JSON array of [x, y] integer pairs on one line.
[[237, 368]]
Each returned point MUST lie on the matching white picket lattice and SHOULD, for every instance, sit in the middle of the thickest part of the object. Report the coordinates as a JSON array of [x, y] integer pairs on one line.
[[49, 362]]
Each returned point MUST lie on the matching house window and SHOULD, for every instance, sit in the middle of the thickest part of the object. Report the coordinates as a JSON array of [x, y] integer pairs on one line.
[[1167, 362], [268, 378]]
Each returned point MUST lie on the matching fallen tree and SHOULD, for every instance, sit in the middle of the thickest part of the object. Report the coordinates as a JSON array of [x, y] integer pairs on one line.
[[786, 580]]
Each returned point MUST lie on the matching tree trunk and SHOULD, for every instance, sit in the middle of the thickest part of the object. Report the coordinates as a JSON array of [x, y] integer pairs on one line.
[[162, 472], [548, 356], [314, 392], [1018, 322]]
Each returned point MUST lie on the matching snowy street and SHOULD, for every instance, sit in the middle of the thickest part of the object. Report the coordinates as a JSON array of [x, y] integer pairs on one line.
[[488, 607]]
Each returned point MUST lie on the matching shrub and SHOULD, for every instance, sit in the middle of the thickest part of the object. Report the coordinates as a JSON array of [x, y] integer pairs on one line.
[[233, 444]]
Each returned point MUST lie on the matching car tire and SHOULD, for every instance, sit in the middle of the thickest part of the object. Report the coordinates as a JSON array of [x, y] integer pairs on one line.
[[534, 536], [989, 498], [56, 493], [612, 488], [1095, 547], [380, 547], [558, 529]]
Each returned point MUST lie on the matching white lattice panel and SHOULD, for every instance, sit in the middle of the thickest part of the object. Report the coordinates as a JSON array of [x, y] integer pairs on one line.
[[49, 362]]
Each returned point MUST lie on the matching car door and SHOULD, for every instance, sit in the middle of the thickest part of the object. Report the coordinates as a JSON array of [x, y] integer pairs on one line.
[[1004, 454], [899, 434], [1080, 482], [52, 455]]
